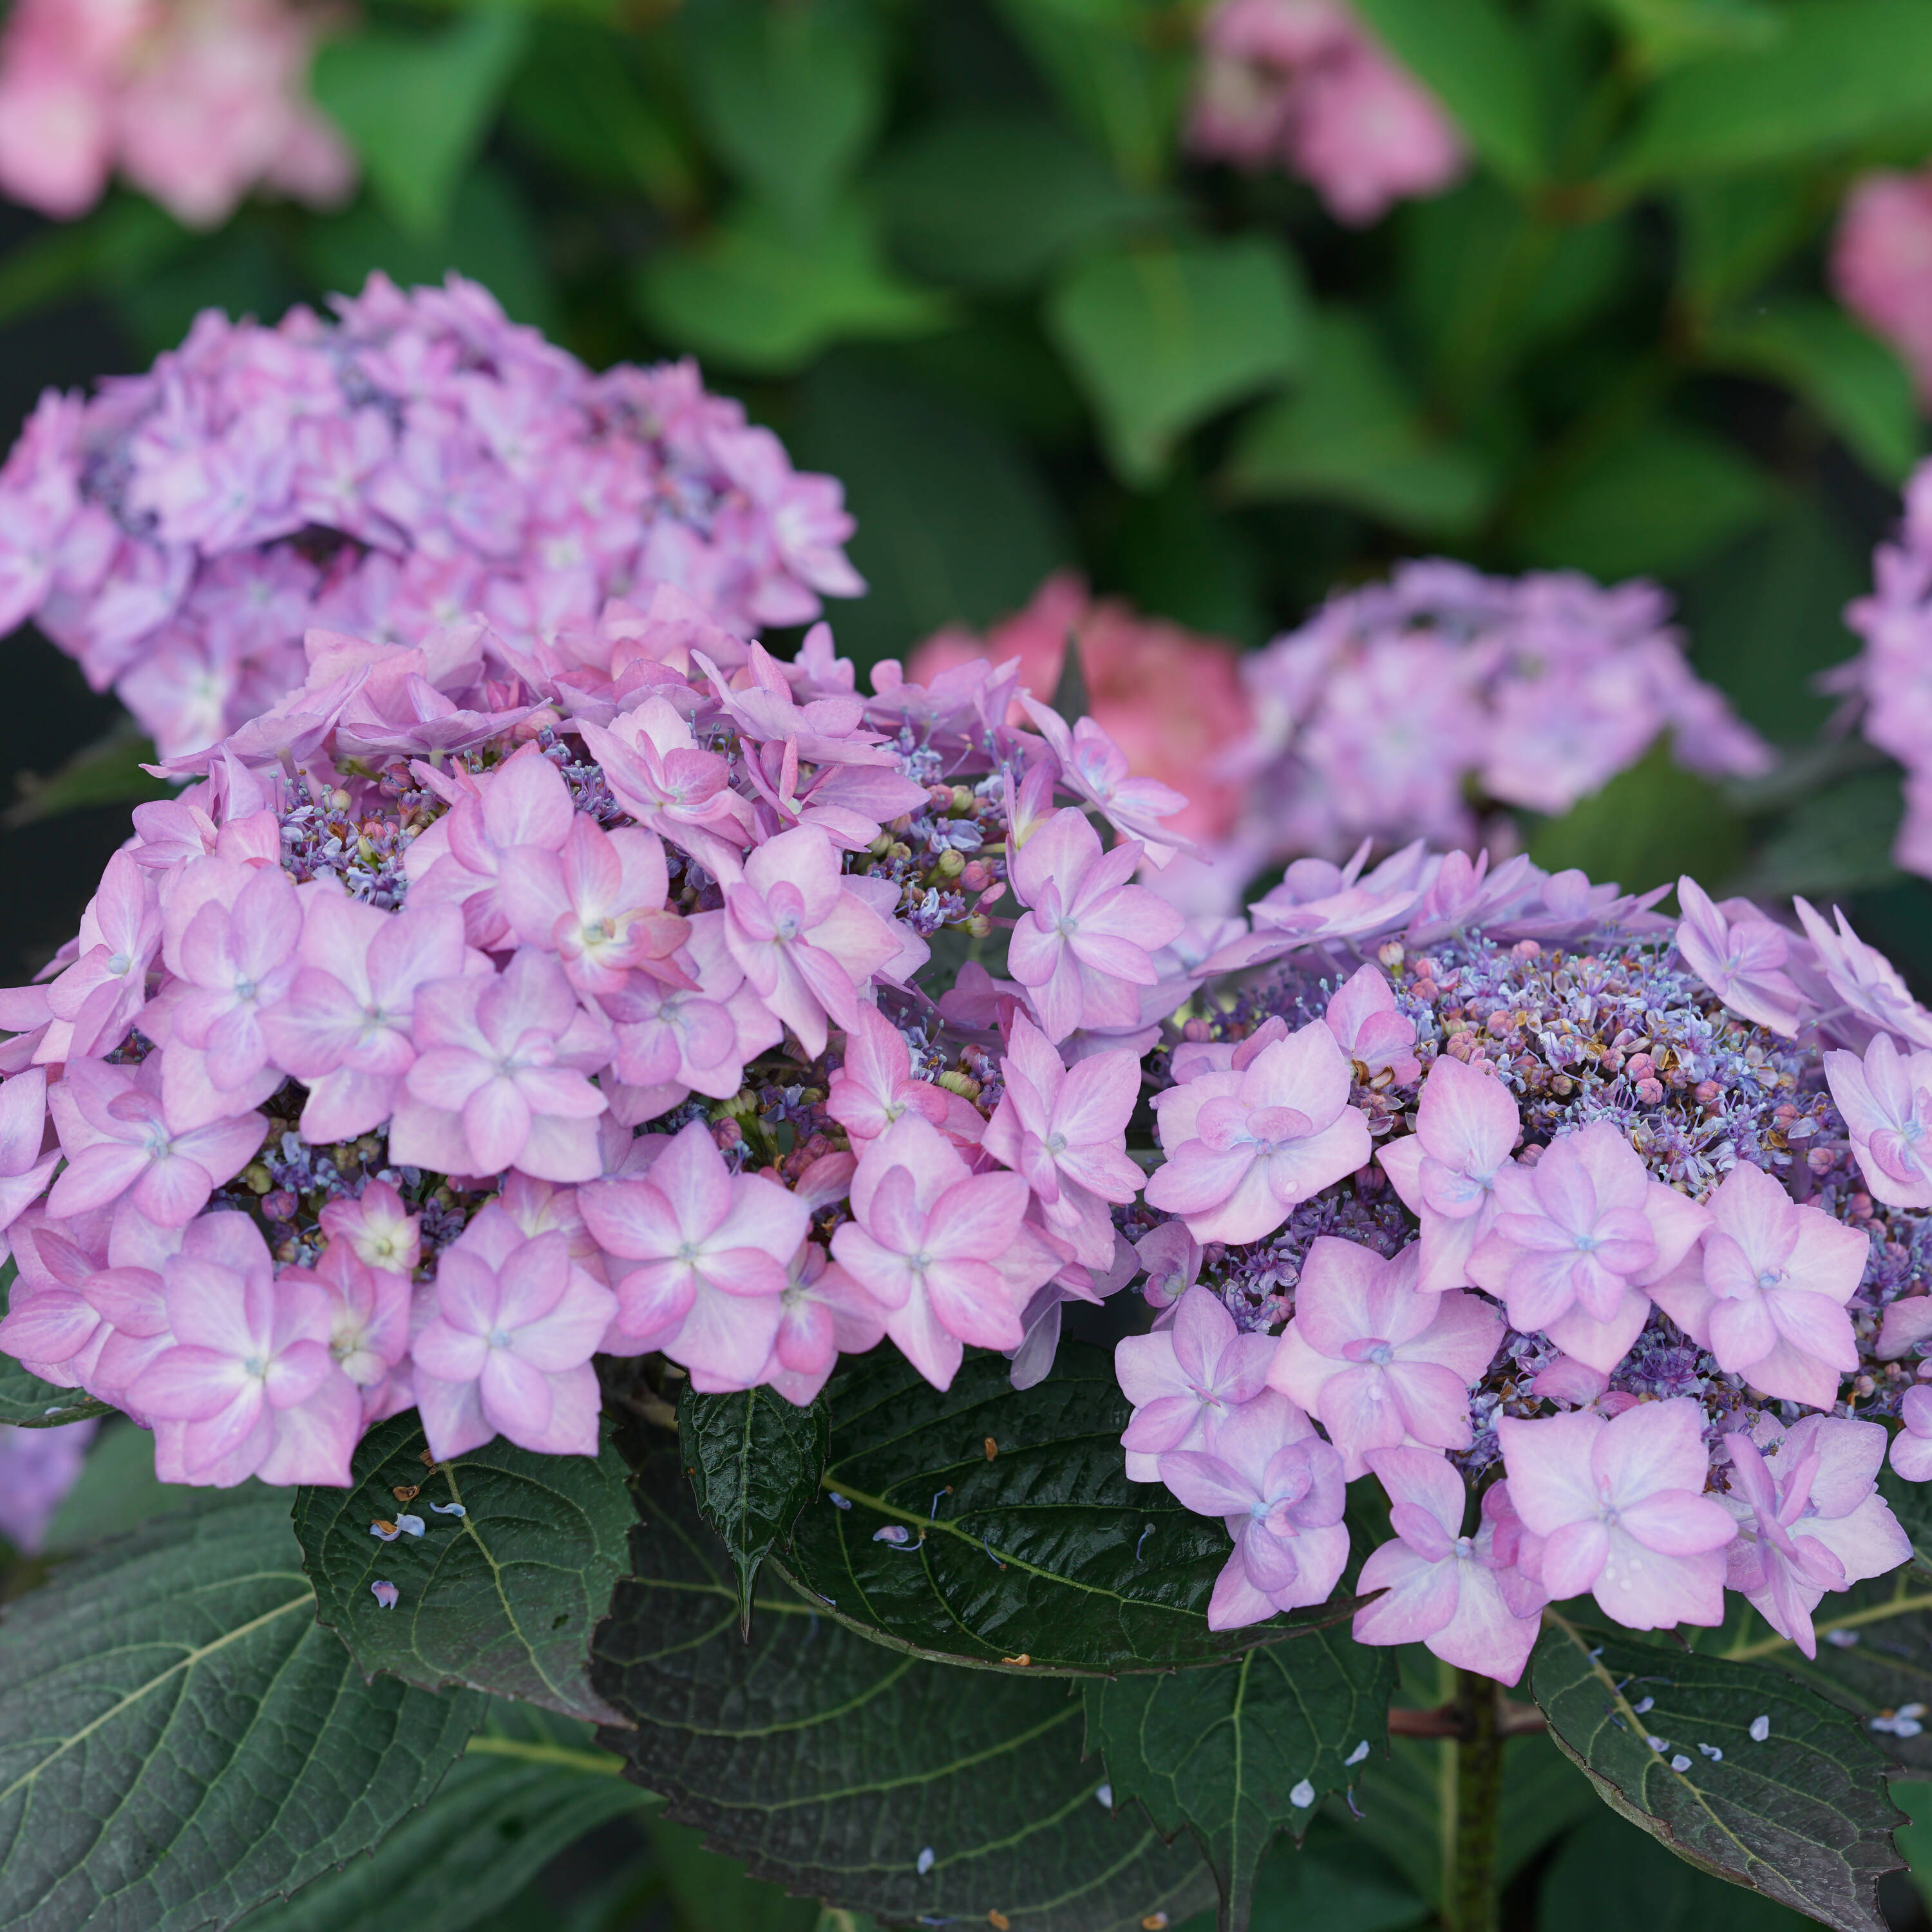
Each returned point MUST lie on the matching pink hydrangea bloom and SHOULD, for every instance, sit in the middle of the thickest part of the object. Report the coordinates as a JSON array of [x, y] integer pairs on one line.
[[38, 1468], [1886, 1099], [1377, 1363], [1441, 1587], [1912, 1447], [1083, 944], [1066, 1130], [24, 1171], [507, 1351], [946, 1252], [824, 1313], [237, 962], [1766, 1291], [1364, 1020], [1621, 1508], [369, 1327], [378, 1229], [598, 902], [1881, 264], [875, 1085], [1741, 955], [1244, 1146], [1194, 1370], [1466, 1126], [715, 1250], [1280, 1489], [1578, 1237], [1868, 987], [1810, 1518], [98, 997]]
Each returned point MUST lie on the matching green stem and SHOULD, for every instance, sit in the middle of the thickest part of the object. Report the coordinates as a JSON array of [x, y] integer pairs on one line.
[[1471, 1903]]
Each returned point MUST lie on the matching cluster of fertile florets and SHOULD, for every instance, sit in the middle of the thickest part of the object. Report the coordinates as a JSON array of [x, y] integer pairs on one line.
[[413, 461]]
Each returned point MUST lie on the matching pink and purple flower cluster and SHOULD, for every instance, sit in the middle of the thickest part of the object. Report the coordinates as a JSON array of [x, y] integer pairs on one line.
[[413, 461]]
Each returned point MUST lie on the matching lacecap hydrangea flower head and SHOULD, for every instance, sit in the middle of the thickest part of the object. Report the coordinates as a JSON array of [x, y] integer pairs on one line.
[[412, 459]]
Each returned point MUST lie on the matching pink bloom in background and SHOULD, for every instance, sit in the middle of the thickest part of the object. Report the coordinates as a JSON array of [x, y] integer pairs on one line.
[[1281, 1490], [1304, 84], [1442, 1588], [1886, 1099], [1741, 955], [507, 1350], [1912, 1447], [195, 101], [38, 1468], [1378, 1364], [1578, 1237], [1881, 264], [944, 1252], [1169, 700], [1245, 1145], [1766, 1291], [715, 1250], [1621, 1508], [1198, 1370], [1466, 1127], [1810, 1518]]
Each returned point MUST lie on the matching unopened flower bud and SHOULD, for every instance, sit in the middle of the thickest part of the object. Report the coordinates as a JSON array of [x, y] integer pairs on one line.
[[963, 800], [1391, 955], [975, 876], [1650, 1092], [951, 864], [961, 1084], [259, 1178], [978, 926], [1821, 1160], [279, 1206]]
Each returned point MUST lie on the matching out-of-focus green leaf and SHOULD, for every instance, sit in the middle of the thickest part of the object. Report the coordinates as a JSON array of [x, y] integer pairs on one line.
[[955, 524], [1652, 504], [117, 1490], [1163, 335], [1666, 33], [1174, 557], [123, 239], [1839, 71], [994, 201], [1733, 231], [243, 268], [1473, 55], [108, 772], [416, 106], [712, 1893], [749, 296], [1835, 842], [1333, 1882], [1852, 379], [1914, 1839], [791, 96], [1351, 434], [1647, 827]]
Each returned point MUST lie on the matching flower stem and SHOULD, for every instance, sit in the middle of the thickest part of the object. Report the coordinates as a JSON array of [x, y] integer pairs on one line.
[[1470, 1902]]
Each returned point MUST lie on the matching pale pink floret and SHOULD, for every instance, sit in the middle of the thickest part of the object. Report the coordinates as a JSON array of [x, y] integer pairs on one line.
[[1466, 1126], [1741, 957], [715, 1250], [1579, 1237], [98, 997], [1766, 1291], [1886, 1099], [121, 1141], [806, 941], [875, 1085], [1196, 1370], [1245, 1148], [379, 1229], [507, 1351], [1362, 1016], [825, 1313], [1378, 1364], [1870, 991], [1810, 1518], [945, 1251], [249, 1386], [1066, 1130], [1280, 1490], [1083, 948], [346, 1028], [500, 1077], [1442, 1588], [368, 1327], [1093, 767], [459, 860], [237, 962], [1621, 1508], [1912, 1447], [24, 1171]]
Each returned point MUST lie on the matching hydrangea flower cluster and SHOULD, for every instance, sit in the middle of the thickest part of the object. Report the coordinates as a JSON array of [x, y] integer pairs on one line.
[[1881, 264], [196, 102], [1303, 85], [414, 460]]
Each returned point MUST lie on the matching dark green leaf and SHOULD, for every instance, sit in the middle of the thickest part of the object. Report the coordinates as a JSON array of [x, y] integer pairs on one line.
[[1044, 1552], [416, 106], [834, 1766], [1837, 72], [1474, 57], [528, 1786], [753, 1459], [27, 1402], [1162, 336], [180, 1740], [1838, 841], [1653, 822], [1735, 229], [109, 772], [1912, 1504], [1238, 1753], [1351, 434], [1801, 1815], [994, 201], [711, 1892], [1914, 1839], [118, 1490], [122, 240], [502, 1598], [750, 296], [1332, 1882], [1669, 32]]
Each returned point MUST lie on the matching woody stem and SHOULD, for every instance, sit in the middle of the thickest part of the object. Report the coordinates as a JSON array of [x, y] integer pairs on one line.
[[1470, 1900]]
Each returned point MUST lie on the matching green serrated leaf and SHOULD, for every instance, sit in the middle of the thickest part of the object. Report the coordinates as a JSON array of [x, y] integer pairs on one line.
[[1161, 335], [1043, 1551], [837, 1767], [1801, 1814], [753, 1459], [1236, 1754], [502, 1598], [180, 1740], [527, 1787], [25, 1401]]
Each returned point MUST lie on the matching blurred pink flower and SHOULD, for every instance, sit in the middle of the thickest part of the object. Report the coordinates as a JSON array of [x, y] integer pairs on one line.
[[1881, 264], [1196, 1370]]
